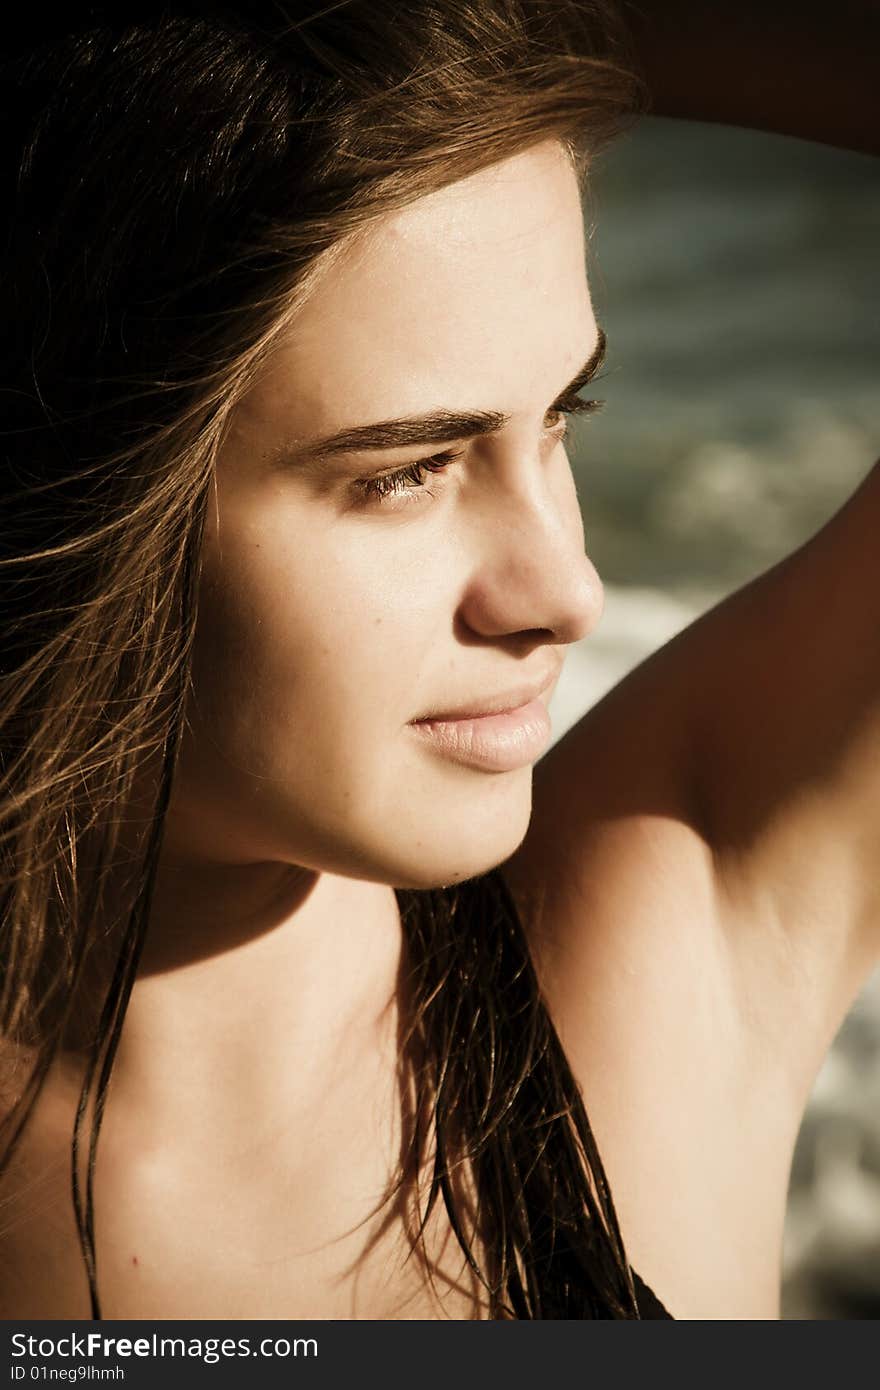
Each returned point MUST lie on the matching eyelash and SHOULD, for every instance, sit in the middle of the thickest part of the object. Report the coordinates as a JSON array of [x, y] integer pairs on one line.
[[411, 477]]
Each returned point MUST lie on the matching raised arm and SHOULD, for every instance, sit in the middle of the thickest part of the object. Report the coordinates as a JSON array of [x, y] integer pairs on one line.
[[785, 717], [728, 791], [791, 66]]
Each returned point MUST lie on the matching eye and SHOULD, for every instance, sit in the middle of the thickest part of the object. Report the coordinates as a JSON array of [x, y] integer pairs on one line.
[[559, 412], [411, 478], [408, 479]]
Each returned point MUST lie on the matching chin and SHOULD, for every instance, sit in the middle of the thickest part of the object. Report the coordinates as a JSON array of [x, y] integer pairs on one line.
[[462, 843]]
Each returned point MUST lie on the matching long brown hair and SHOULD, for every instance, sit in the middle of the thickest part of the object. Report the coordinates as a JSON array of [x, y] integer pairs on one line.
[[174, 182]]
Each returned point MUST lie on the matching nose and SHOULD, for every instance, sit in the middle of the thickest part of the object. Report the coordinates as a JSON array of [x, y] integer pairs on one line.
[[531, 574]]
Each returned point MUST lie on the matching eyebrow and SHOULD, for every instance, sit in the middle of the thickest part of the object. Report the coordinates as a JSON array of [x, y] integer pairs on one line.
[[434, 427]]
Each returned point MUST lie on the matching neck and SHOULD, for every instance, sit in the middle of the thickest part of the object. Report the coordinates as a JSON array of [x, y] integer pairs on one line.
[[256, 980], [258, 984]]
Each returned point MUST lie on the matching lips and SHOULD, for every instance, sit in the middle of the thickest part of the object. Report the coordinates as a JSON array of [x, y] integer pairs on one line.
[[495, 733], [480, 706]]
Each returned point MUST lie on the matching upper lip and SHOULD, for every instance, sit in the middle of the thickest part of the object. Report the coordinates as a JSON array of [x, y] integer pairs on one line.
[[514, 698]]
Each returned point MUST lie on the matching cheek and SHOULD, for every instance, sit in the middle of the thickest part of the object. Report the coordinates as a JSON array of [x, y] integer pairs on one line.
[[309, 662], [309, 654]]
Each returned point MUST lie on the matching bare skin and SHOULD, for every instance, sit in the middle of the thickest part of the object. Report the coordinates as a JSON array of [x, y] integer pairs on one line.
[[694, 863], [724, 854]]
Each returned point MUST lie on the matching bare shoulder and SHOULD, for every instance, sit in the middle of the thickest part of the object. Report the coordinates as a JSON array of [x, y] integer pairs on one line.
[[616, 886], [699, 886], [730, 789]]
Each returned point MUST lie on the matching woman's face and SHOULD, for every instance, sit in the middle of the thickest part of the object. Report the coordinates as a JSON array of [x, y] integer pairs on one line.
[[332, 617]]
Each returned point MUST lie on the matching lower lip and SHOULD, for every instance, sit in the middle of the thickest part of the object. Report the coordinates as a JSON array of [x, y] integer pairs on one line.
[[491, 742]]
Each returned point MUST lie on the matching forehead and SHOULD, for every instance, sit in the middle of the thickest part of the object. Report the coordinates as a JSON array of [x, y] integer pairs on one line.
[[475, 294]]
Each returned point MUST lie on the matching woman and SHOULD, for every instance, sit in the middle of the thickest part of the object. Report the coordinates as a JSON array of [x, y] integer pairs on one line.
[[292, 555]]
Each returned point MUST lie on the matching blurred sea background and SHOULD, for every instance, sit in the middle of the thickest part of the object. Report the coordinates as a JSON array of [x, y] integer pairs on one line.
[[736, 275]]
